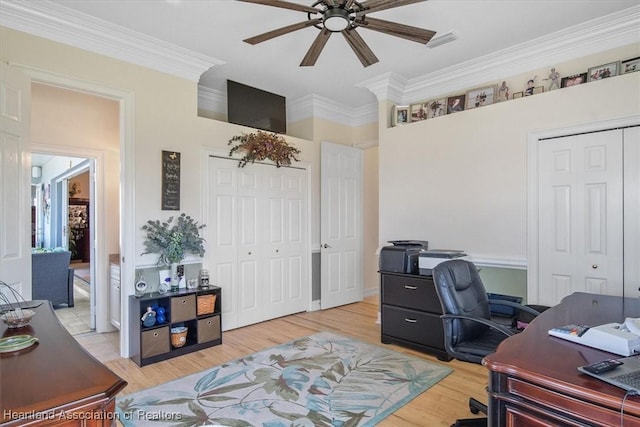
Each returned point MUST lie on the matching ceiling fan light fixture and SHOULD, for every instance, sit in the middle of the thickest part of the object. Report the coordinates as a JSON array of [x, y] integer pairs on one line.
[[336, 19]]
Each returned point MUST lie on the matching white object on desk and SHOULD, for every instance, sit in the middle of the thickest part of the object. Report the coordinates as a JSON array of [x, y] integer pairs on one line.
[[611, 337]]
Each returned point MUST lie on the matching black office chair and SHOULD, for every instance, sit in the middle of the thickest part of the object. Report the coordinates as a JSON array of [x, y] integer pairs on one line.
[[469, 331]]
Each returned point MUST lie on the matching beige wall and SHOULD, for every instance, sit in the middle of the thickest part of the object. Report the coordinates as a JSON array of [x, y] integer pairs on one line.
[[460, 181]]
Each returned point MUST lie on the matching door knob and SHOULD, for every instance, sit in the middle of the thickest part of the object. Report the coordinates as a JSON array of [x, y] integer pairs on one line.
[[594, 266], [326, 246]]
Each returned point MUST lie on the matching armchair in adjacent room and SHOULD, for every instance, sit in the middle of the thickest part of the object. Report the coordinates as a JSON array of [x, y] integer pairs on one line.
[[469, 331], [52, 277]]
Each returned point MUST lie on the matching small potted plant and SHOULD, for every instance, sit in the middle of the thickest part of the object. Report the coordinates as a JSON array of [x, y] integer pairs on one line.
[[172, 241]]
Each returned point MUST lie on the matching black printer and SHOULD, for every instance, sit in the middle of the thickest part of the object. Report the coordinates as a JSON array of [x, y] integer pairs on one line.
[[401, 256]]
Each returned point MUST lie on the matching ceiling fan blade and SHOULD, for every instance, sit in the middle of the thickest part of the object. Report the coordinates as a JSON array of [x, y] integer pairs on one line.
[[408, 32], [281, 31], [348, 4], [284, 5], [360, 48], [371, 6], [316, 47]]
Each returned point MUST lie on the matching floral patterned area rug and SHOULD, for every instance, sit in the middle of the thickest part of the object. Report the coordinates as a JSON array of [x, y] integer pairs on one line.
[[320, 380]]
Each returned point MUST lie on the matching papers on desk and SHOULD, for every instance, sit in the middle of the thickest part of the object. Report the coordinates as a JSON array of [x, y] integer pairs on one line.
[[611, 337]]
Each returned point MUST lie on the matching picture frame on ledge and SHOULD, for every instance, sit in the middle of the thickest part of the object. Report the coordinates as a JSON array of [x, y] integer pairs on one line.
[[418, 112], [573, 80], [400, 115], [603, 71], [480, 97], [455, 104], [436, 108], [630, 65]]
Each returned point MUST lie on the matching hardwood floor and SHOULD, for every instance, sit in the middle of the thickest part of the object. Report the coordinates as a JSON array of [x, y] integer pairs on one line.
[[441, 405]]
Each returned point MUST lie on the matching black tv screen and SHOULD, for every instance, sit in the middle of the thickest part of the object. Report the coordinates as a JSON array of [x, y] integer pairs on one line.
[[256, 108]]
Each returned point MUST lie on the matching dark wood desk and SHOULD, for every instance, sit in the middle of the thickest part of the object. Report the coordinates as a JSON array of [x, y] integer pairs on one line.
[[533, 379], [54, 382]]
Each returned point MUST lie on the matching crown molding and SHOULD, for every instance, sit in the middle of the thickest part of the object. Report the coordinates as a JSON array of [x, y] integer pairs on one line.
[[309, 106], [316, 106], [598, 35], [212, 100], [54, 22], [391, 86]]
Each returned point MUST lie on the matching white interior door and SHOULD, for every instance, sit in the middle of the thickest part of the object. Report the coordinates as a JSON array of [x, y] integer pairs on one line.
[[580, 215], [15, 180], [631, 148], [341, 225]]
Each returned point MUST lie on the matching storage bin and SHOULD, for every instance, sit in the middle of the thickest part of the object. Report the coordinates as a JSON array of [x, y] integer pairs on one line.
[[183, 308], [155, 341], [209, 329], [206, 304]]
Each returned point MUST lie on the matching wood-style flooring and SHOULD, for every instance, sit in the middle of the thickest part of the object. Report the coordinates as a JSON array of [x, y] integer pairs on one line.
[[441, 405]]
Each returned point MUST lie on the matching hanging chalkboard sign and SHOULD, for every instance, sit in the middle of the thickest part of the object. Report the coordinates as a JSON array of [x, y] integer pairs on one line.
[[170, 181]]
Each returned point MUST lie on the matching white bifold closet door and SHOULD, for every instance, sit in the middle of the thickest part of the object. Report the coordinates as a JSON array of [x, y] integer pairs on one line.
[[258, 240]]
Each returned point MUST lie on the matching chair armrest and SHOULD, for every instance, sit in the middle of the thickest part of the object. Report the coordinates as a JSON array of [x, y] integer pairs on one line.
[[516, 306], [492, 325]]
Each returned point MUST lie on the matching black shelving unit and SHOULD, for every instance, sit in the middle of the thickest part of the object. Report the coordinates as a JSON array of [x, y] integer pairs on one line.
[[151, 344]]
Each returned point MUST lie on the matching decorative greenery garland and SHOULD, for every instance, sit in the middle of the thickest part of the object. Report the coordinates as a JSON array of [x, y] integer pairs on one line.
[[263, 145]]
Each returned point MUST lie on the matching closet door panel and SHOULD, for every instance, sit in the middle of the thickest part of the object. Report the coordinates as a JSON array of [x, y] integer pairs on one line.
[[223, 243], [249, 253]]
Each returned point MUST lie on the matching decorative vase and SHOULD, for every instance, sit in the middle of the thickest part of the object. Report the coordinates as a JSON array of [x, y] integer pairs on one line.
[[175, 280]]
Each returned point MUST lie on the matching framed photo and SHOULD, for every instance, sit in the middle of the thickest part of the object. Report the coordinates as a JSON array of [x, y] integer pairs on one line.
[[538, 89], [436, 108], [630, 65], [418, 112], [481, 96], [603, 71], [455, 104], [400, 115], [574, 80], [517, 95]]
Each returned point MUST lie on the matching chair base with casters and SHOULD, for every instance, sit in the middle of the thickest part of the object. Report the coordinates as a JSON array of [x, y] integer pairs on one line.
[[470, 333], [476, 407]]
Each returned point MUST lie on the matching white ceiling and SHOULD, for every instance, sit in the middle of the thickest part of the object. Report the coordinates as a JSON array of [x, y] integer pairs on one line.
[[215, 29]]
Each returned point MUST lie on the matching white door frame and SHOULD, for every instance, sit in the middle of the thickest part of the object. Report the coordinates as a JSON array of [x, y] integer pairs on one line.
[[533, 139], [126, 102]]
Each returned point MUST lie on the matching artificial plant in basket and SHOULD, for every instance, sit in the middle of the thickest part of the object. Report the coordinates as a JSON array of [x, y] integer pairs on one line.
[[262, 145]]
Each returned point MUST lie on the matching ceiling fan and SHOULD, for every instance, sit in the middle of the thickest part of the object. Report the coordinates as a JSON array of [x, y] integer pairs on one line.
[[343, 16]]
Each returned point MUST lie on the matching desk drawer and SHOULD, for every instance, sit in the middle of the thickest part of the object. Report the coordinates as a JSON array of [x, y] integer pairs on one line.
[[418, 293], [411, 325], [561, 407]]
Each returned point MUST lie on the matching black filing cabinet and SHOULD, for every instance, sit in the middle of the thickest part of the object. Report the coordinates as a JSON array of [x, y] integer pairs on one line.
[[410, 313]]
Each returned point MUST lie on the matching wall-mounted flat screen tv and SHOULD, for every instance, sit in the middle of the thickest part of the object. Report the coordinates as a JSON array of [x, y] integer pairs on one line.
[[256, 108]]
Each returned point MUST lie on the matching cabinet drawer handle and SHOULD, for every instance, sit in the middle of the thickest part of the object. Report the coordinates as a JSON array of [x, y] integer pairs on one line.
[[411, 288], [209, 322], [184, 301], [155, 334], [410, 320]]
